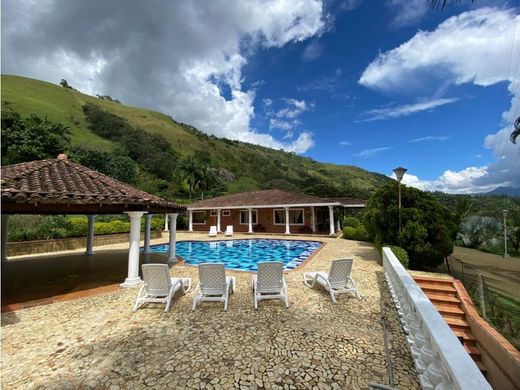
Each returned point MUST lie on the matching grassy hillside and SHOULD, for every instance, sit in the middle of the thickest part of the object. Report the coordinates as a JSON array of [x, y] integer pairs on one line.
[[253, 166]]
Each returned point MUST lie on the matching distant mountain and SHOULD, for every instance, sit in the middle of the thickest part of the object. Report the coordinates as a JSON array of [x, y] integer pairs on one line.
[[510, 191], [245, 166]]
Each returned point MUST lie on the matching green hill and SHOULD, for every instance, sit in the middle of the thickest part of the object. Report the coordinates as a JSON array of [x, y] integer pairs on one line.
[[242, 166]]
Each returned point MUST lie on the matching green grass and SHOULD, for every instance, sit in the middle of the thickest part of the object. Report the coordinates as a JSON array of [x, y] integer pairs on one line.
[[254, 166]]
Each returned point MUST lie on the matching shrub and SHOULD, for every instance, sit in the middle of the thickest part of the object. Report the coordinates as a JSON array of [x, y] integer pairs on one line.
[[355, 233], [401, 255], [352, 221]]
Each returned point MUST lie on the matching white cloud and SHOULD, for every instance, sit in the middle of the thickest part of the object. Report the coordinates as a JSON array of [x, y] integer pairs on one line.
[[345, 143], [371, 152], [430, 138], [473, 47], [294, 108], [404, 110], [175, 59], [281, 124], [268, 102], [312, 51], [408, 11]]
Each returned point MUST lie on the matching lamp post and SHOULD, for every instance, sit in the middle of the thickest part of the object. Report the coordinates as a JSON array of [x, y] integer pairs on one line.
[[504, 213], [399, 173]]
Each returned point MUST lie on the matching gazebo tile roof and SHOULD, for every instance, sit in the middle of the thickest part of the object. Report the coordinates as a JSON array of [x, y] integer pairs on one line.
[[272, 197], [60, 181]]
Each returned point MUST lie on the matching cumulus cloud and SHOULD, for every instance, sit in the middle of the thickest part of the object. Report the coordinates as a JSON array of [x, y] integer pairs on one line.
[[473, 47], [174, 58], [371, 152], [404, 110]]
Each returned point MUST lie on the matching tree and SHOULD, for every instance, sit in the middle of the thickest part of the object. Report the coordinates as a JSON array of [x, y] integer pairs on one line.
[[191, 172], [32, 138], [478, 231], [65, 84], [428, 229]]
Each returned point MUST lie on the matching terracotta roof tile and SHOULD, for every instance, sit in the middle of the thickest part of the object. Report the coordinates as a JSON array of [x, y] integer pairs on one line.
[[61, 181], [269, 198]]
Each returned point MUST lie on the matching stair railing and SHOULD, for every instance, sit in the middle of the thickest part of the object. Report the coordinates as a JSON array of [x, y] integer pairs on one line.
[[440, 359]]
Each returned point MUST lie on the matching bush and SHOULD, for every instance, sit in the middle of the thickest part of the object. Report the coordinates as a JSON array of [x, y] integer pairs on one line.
[[401, 254], [352, 222], [355, 233]]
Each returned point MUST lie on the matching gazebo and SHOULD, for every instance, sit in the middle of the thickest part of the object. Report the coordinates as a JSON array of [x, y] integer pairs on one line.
[[60, 186]]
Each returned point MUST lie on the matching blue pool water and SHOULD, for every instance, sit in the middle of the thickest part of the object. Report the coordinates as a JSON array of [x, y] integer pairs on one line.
[[243, 254]]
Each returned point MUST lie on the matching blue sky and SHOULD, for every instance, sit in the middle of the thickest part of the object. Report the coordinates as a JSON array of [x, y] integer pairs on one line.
[[371, 84]]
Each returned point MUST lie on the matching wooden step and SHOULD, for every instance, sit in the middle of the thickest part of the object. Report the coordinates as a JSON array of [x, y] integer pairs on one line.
[[442, 298], [482, 369], [450, 310], [457, 323], [439, 289], [467, 337], [473, 352], [432, 280]]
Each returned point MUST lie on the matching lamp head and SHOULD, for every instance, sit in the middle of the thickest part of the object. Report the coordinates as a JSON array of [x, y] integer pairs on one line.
[[399, 173], [504, 213]]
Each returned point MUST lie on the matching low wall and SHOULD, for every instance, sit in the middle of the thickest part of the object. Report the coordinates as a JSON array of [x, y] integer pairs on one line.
[[500, 358], [21, 248]]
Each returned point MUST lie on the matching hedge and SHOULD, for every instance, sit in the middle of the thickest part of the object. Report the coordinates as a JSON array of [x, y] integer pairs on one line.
[[401, 255], [352, 222]]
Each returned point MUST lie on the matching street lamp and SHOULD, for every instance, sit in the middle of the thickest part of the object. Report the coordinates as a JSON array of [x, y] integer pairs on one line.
[[399, 173], [504, 213]]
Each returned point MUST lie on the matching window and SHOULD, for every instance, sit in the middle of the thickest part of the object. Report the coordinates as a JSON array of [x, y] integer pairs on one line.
[[295, 217], [244, 217], [226, 213], [213, 213], [199, 217]]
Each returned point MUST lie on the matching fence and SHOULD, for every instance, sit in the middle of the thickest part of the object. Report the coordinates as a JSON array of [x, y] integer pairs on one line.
[[493, 301]]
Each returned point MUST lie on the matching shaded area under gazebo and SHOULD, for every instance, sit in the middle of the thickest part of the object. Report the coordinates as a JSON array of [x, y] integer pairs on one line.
[[59, 186], [34, 280]]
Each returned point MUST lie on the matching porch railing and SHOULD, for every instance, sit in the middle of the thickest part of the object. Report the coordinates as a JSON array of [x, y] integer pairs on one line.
[[439, 357]]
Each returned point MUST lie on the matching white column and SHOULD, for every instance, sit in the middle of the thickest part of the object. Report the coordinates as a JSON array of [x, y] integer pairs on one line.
[[331, 220], [190, 213], [5, 228], [313, 222], [287, 230], [90, 235], [250, 220], [147, 226], [338, 226], [173, 233], [133, 278], [165, 222], [218, 221]]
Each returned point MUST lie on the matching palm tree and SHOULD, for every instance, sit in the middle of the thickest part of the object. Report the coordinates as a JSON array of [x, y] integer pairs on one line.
[[190, 168]]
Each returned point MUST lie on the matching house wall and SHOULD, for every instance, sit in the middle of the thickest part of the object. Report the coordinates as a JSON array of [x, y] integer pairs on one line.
[[265, 221]]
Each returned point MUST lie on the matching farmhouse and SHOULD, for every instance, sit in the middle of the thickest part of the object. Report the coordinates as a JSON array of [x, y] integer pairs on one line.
[[270, 211]]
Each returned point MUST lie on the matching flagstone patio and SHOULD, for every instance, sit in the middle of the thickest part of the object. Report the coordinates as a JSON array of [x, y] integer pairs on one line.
[[97, 342]]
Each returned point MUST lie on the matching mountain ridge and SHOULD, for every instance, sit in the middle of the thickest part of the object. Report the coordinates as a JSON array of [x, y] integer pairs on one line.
[[253, 166]]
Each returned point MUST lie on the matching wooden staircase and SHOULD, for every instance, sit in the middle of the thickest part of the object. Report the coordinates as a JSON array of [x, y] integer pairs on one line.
[[443, 295]]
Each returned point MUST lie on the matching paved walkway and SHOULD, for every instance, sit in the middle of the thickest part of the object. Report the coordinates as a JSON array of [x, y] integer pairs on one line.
[[97, 342]]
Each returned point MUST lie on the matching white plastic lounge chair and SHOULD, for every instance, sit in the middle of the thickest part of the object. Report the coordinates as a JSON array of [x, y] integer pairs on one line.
[[229, 231], [213, 284], [212, 231], [269, 282], [159, 286], [337, 281]]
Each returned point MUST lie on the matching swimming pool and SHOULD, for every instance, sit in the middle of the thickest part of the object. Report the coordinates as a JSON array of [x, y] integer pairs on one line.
[[243, 254]]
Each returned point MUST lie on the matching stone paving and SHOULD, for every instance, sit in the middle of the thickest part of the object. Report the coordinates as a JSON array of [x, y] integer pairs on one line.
[[97, 342]]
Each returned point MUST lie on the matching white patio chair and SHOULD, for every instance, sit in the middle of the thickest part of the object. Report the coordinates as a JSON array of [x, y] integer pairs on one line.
[[229, 231], [269, 282], [213, 285], [337, 281], [212, 231], [159, 286]]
